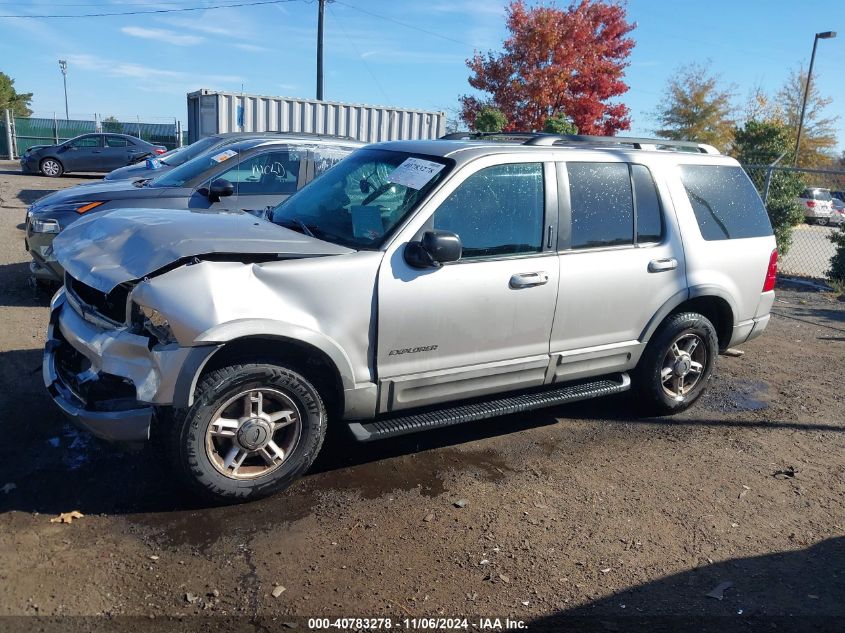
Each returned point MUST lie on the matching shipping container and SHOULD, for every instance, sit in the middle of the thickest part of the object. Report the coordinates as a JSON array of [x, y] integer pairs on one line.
[[211, 112]]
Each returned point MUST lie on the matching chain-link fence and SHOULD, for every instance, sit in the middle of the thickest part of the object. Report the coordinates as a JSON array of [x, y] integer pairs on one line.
[[821, 200], [25, 132]]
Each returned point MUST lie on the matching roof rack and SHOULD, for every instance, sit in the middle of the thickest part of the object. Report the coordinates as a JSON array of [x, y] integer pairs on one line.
[[545, 140]]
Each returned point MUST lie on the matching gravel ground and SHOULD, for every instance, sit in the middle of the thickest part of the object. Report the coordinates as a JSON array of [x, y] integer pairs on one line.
[[577, 517]]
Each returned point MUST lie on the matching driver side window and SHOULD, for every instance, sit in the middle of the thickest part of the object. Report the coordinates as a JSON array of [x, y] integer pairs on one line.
[[86, 141], [498, 211], [265, 174]]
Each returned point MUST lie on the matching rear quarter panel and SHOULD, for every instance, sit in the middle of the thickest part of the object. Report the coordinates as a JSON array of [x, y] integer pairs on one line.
[[734, 269]]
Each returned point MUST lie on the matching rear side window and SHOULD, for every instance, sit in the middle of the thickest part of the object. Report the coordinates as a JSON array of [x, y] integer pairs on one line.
[[116, 141], [725, 203], [649, 217], [498, 211], [602, 204]]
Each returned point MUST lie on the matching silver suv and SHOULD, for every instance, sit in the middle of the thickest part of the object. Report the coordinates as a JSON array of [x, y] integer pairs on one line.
[[415, 285]]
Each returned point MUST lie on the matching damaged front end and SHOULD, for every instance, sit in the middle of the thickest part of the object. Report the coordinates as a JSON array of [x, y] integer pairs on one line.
[[106, 373], [112, 356]]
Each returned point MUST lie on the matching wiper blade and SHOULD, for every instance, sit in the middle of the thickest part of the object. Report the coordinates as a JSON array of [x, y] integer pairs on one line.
[[304, 228], [142, 182]]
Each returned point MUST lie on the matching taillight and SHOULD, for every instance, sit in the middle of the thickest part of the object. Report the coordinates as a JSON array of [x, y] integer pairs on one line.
[[772, 272], [159, 150], [811, 204]]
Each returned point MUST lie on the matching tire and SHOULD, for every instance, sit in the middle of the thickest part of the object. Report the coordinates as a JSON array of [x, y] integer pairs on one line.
[[200, 448], [51, 168], [653, 385], [822, 221]]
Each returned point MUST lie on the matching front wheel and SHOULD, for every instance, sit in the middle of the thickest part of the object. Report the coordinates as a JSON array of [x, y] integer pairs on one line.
[[253, 430], [677, 363], [51, 167]]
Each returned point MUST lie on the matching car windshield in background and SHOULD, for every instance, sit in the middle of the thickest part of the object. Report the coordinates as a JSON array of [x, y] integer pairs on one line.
[[191, 151], [179, 176], [360, 201]]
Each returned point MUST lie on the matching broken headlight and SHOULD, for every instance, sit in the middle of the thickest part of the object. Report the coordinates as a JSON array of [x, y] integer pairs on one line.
[[154, 323]]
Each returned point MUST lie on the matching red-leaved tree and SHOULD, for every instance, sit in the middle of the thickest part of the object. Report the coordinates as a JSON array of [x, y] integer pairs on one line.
[[557, 61]]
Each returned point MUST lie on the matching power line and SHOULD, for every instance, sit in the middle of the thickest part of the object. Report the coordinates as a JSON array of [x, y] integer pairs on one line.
[[405, 24], [150, 11], [361, 57]]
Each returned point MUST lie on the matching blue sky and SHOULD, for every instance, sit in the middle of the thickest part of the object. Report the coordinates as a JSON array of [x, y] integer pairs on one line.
[[143, 65]]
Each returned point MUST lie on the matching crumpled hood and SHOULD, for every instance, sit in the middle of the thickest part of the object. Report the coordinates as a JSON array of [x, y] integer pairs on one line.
[[110, 248], [103, 190]]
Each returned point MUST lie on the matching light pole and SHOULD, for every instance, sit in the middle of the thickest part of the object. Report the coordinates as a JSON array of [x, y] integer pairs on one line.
[[819, 36], [320, 11], [63, 66]]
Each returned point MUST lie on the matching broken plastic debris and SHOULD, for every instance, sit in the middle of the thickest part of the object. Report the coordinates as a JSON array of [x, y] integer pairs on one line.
[[67, 517], [278, 590], [191, 598], [429, 517], [785, 473], [718, 591], [461, 503]]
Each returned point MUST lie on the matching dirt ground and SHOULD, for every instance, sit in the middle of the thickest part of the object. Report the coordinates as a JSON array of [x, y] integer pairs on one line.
[[576, 518]]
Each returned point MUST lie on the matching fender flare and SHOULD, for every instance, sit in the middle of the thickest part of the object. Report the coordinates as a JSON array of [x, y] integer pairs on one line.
[[216, 338], [703, 290]]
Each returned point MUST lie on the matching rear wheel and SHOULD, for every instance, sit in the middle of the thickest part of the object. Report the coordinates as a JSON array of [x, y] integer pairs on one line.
[[822, 221], [51, 167], [252, 431], [677, 363]]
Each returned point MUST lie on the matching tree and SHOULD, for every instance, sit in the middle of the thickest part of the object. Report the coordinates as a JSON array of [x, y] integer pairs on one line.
[[560, 124], [837, 262], [696, 108], [818, 136], [11, 99], [490, 119], [556, 60], [763, 143], [111, 124]]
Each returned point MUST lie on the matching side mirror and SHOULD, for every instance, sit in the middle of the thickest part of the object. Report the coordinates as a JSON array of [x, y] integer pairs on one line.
[[220, 188], [434, 249]]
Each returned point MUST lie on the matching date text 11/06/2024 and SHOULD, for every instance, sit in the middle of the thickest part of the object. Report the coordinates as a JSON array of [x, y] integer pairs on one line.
[[417, 624]]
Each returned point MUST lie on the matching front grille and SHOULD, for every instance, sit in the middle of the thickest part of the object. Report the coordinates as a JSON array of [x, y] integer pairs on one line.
[[110, 305]]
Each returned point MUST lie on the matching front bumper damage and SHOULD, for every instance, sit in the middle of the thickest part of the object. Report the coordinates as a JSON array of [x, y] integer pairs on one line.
[[110, 381]]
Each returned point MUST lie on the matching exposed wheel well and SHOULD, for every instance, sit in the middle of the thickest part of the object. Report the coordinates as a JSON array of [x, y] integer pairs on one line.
[[305, 359], [717, 310]]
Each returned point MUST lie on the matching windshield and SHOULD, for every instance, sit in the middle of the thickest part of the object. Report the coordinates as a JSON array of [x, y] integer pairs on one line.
[[192, 151], [360, 201], [193, 168]]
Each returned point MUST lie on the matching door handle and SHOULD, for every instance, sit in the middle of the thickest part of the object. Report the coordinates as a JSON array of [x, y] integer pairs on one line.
[[661, 265], [527, 280]]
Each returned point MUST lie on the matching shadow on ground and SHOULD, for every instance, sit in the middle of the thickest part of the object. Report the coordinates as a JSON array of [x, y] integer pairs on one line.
[[17, 287], [802, 590], [28, 196]]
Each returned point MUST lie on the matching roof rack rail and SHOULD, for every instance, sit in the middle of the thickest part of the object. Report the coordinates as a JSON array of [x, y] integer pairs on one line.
[[633, 141], [478, 136], [545, 139]]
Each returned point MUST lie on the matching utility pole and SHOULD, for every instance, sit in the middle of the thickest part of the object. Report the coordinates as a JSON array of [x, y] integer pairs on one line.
[[321, 10], [63, 66], [819, 36]]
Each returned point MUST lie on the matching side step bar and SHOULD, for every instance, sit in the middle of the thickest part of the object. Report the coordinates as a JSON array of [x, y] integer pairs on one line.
[[401, 425]]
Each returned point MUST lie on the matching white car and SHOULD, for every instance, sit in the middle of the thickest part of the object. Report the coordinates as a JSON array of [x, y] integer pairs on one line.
[[818, 206]]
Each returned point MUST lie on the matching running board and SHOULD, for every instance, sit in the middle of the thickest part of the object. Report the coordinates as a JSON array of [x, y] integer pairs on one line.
[[400, 425]]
